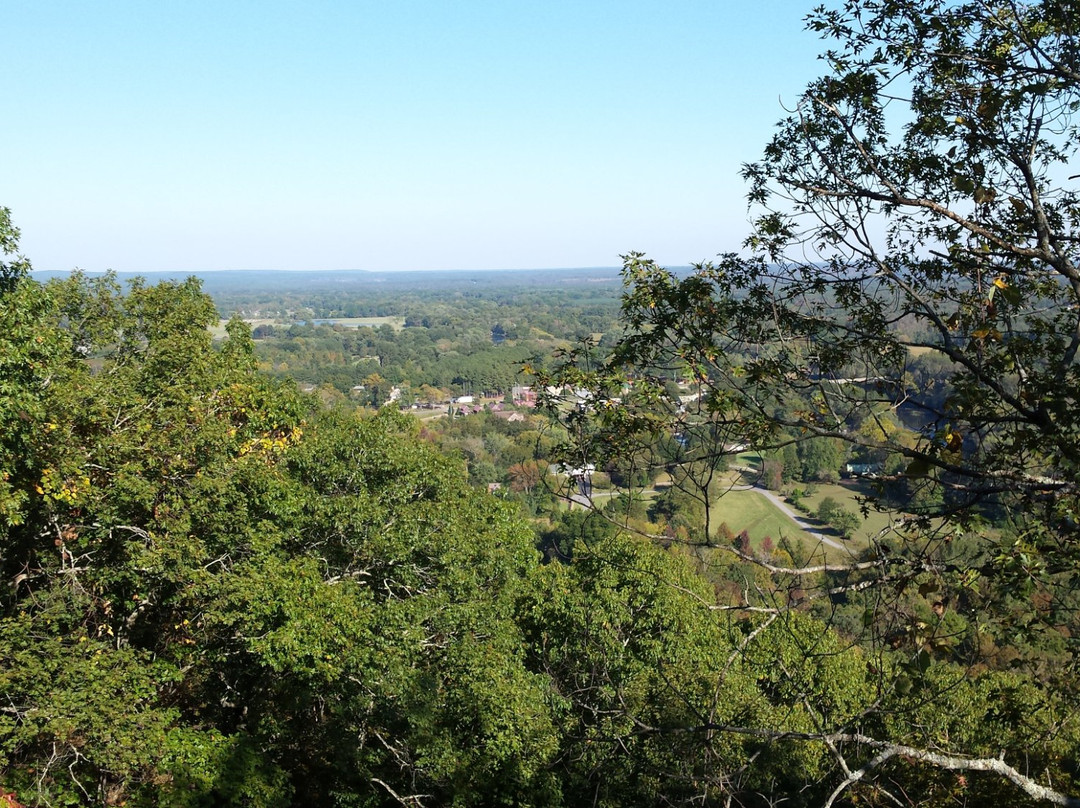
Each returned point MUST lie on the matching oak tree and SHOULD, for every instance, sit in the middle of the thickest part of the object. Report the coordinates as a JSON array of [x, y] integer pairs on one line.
[[917, 201]]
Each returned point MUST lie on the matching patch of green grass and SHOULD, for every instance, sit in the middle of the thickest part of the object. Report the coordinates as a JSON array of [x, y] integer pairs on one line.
[[846, 495], [747, 459], [397, 323], [754, 513]]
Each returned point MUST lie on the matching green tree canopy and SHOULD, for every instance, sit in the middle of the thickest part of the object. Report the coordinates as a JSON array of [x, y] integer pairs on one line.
[[923, 179], [217, 593]]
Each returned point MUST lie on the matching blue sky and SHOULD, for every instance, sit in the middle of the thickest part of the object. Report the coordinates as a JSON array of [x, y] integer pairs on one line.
[[144, 136]]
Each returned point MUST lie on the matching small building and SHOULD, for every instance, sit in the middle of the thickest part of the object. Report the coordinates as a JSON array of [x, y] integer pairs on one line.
[[523, 396]]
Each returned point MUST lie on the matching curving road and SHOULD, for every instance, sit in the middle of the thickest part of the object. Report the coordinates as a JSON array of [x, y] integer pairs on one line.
[[786, 509], [798, 519], [783, 507]]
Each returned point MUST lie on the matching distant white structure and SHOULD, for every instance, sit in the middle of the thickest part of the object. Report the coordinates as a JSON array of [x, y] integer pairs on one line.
[[465, 400]]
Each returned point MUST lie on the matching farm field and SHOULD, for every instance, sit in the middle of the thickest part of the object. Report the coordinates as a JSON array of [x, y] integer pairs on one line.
[[397, 323]]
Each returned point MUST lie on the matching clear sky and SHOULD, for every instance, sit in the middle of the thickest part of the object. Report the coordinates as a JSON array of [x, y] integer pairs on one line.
[[403, 134]]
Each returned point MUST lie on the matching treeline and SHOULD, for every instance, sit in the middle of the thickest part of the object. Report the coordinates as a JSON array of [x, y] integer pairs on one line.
[[463, 343]]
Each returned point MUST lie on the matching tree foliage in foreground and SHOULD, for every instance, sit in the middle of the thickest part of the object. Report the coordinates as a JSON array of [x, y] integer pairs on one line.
[[917, 202], [215, 594]]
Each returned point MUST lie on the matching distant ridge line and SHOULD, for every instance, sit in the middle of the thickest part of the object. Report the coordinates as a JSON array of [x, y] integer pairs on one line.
[[222, 280]]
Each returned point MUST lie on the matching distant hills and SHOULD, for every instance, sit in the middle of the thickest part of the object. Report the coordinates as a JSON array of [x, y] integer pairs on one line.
[[226, 281]]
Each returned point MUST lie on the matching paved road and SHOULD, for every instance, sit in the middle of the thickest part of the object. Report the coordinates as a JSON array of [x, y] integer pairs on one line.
[[797, 519], [784, 508]]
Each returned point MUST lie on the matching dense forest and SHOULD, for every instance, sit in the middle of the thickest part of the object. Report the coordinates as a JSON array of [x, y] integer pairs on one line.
[[459, 342], [492, 543]]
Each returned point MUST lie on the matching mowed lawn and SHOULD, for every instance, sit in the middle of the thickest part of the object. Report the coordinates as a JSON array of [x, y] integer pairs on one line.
[[753, 512], [397, 323], [847, 496]]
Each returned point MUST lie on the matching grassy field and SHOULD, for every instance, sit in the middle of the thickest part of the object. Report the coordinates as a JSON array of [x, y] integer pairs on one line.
[[846, 496], [397, 323], [752, 512], [747, 459], [755, 513]]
